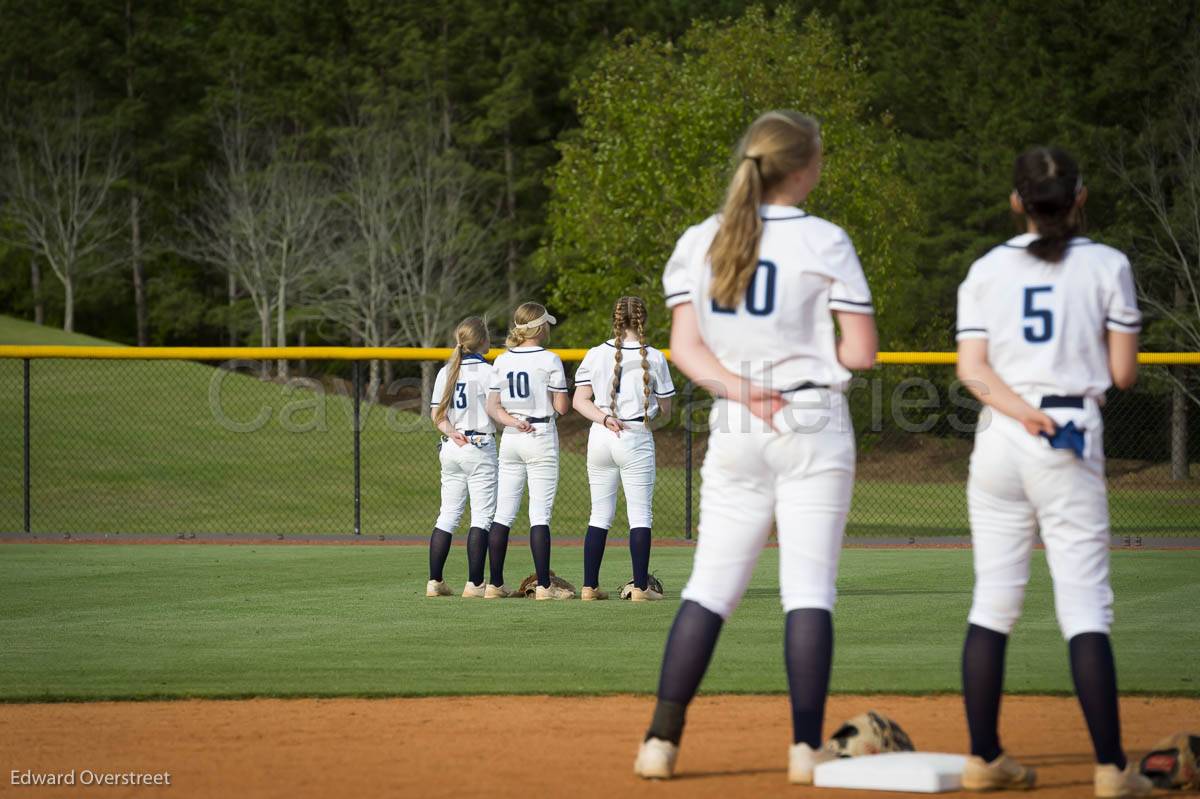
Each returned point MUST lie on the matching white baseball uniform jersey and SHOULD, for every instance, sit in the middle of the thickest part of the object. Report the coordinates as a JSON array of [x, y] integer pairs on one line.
[[471, 470], [627, 458], [630, 401], [782, 332], [525, 377], [799, 480], [1045, 325], [468, 401]]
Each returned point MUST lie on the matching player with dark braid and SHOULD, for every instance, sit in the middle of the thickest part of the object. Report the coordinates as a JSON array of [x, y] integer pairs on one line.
[[621, 401]]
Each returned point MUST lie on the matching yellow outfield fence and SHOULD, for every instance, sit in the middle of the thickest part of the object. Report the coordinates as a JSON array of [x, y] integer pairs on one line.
[[422, 354], [215, 441]]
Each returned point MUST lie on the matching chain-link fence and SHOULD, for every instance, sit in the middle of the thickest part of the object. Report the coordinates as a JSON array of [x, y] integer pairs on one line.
[[208, 447]]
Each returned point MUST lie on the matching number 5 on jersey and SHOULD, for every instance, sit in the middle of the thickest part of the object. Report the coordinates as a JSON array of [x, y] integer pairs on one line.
[[1043, 332]]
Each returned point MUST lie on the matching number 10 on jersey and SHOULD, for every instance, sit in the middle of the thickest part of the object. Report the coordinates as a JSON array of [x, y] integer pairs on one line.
[[518, 384], [760, 294]]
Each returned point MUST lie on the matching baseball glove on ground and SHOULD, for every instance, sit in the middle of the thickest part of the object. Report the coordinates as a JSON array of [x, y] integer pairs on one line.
[[529, 585], [868, 734], [652, 584], [1173, 762]]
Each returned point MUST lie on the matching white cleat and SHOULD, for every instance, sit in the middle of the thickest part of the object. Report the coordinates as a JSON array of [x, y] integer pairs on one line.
[[1111, 782], [656, 759], [497, 591], [472, 591], [553, 592], [802, 759], [437, 588], [644, 595], [1002, 774]]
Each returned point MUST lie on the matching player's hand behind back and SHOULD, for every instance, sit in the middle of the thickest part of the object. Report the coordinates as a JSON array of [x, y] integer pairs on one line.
[[1036, 422], [458, 438], [763, 402]]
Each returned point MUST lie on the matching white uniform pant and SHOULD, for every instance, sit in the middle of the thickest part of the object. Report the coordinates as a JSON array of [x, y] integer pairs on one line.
[[798, 482], [1019, 484], [531, 457], [468, 471], [628, 458]]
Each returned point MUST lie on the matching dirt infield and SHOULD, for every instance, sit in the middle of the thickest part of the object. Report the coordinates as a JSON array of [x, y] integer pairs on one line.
[[503, 746]]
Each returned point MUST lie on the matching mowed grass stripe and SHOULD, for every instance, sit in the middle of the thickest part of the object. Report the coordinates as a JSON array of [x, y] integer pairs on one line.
[[96, 622]]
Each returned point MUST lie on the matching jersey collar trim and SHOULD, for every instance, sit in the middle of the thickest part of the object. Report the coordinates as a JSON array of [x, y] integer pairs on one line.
[[1023, 241], [780, 213], [473, 357], [523, 350], [623, 345]]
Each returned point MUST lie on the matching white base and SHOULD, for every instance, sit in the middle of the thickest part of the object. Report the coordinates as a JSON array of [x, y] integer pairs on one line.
[[917, 772]]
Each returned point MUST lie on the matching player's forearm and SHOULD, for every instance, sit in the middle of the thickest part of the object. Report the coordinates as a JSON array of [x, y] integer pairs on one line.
[[498, 414], [703, 368], [588, 410], [988, 387], [445, 427]]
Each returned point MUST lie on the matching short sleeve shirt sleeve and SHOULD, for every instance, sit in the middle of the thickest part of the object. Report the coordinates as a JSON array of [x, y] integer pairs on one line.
[[583, 375], [850, 292], [556, 378], [439, 388], [970, 322], [494, 381], [679, 276], [661, 373], [1122, 314]]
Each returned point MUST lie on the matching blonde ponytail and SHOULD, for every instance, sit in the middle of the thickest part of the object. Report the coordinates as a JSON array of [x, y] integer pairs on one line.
[[470, 336], [776, 145]]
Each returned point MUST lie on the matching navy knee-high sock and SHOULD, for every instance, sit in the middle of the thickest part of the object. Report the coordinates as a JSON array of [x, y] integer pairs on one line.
[[689, 649], [497, 549], [983, 685], [639, 553], [539, 542], [1095, 676], [593, 554], [439, 550], [808, 654], [477, 543]]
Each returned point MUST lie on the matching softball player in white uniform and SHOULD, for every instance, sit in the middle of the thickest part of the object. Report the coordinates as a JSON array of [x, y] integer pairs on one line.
[[621, 386], [528, 391], [755, 293], [468, 455], [1046, 323]]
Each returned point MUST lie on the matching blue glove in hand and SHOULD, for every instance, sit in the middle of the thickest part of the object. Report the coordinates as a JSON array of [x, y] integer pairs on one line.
[[1067, 437]]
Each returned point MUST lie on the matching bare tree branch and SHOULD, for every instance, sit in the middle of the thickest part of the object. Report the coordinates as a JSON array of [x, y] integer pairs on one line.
[[59, 176]]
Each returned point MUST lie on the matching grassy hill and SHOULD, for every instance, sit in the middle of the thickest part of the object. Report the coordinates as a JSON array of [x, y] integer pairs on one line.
[[183, 447]]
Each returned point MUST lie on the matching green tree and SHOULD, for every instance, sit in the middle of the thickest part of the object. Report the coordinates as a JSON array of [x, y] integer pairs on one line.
[[658, 122]]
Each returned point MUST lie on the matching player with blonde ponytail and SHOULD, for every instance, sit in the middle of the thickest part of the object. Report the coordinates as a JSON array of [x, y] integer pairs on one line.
[[621, 398], [759, 294], [528, 392], [468, 455]]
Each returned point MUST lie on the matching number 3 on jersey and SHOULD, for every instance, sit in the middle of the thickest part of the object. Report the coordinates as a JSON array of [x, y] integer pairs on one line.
[[460, 395], [518, 385], [1033, 334], [760, 294]]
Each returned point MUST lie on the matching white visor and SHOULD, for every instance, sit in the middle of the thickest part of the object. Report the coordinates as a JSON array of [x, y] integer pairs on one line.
[[541, 320]]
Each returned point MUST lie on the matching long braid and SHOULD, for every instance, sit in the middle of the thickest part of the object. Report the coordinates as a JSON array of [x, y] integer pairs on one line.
[[619, 321], [639, 321]]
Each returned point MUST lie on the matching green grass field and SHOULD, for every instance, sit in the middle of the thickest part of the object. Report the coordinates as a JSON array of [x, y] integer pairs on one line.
[[140, 621], [139, 447]]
